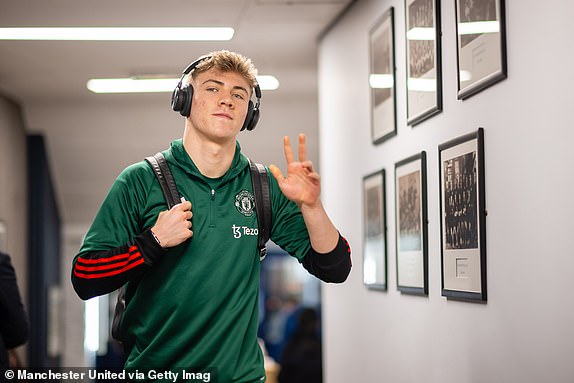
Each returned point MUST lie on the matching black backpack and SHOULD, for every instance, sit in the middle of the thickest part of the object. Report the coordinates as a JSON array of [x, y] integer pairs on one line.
[[260, 183]]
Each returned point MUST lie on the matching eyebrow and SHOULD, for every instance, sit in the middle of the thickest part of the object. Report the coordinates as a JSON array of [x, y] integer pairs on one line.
[[222, 83]]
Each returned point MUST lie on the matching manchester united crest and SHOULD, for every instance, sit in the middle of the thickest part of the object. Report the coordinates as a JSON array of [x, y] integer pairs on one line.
[[245, 203]]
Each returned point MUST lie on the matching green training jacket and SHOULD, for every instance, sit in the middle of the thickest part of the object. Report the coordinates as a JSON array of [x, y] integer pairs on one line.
[[196, 307]]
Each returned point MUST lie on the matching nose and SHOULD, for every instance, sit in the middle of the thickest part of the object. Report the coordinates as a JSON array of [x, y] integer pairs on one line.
[[226, 100]]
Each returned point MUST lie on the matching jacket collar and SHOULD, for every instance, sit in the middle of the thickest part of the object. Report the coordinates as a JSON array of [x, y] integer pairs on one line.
[[177, 155]]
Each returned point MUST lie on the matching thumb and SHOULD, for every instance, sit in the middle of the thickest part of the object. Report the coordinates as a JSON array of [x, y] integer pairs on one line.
[[276, 173]]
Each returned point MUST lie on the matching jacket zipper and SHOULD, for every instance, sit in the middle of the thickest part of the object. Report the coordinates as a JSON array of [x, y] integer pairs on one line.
[[211, 209]]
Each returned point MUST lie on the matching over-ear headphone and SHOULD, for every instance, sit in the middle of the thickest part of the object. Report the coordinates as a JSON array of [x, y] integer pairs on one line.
[[182, 95]]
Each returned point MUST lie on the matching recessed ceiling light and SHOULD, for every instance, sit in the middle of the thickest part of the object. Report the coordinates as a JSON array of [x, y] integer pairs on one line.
[[267, 82], [119, 33], [132, 85], [154, 85]]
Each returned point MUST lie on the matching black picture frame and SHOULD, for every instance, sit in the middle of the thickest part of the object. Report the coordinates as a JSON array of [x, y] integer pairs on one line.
[[411, 216], [424, 64], [463, 217], [481, 45], [382, 78], [3, 236], [374, 231]]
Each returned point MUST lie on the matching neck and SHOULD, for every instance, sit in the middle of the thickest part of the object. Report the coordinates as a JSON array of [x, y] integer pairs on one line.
[[212, 158]]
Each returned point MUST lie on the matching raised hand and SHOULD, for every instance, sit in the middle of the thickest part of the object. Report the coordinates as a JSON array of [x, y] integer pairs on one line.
[[302, 184]]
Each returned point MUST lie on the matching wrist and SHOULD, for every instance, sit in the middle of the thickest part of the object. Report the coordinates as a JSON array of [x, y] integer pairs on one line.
[[149, 248], [310, 208], [155, 237]]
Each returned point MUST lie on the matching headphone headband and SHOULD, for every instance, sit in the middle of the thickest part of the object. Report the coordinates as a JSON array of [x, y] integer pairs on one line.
[[192, 66]]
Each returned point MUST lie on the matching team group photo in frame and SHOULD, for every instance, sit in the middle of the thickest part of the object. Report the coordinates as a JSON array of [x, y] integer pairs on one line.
[[481, 62], [463, 217], [423, 49]]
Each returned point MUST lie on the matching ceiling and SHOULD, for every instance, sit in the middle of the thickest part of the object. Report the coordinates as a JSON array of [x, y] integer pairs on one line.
[[280, 36]]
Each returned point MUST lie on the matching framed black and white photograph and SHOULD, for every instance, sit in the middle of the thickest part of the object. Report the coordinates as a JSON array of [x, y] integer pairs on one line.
[[463, 217], [382, 78], [374, 231], [481, 45], [411, 225], [424, 82]]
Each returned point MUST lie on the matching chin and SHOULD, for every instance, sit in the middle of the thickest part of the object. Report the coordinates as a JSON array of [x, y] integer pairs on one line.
[[224, 136]]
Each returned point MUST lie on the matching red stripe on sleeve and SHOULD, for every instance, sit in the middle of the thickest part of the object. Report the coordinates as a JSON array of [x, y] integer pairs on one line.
[[109, 266], [108, 259], [348, 250], [110, 273]]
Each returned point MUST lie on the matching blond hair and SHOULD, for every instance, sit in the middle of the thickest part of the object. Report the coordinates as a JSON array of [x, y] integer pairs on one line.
[[227, 61]]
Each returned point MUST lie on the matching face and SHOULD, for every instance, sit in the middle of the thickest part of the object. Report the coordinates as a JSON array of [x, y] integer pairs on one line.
[[219, 105]]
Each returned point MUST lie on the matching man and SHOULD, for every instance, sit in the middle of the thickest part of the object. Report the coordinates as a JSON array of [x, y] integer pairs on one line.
[[13, 318], [193, 271]]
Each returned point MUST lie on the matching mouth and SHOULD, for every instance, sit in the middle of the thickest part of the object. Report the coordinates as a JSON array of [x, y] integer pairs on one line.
[[223, 115]]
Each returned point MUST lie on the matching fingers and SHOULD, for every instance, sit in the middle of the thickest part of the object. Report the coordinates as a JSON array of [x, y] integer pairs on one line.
[[187, 214], [174, 226], [186, 205], [307, 165], [288, 151], [302, 148]]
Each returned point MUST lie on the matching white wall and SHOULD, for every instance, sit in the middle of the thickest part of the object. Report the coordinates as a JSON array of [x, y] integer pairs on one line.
[[525, 332]]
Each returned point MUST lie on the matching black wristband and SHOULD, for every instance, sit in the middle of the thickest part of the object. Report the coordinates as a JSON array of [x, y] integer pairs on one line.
[[149, 247], [333, 256], [333, 266]]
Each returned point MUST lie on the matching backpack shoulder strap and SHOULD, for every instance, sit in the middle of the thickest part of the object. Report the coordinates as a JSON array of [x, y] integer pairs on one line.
[[165, 178], [260, 182], [163, 174]]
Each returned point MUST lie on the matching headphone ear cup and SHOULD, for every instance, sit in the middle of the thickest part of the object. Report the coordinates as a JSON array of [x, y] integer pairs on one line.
[[254, 120], [248, 116], [251, 118], [181, 100], [187, 92], [176, 99]]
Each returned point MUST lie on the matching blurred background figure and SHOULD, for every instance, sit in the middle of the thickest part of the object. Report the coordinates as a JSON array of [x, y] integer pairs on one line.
[[13, 319], [301, 360]]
